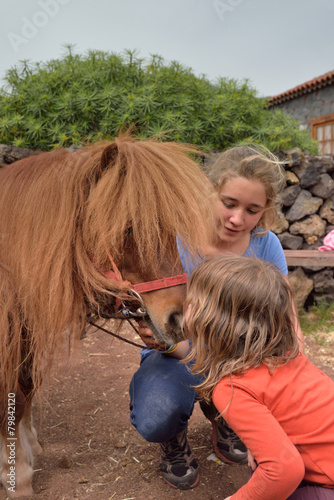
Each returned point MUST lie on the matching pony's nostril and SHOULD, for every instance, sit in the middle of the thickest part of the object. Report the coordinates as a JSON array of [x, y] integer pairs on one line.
[[174, 321]]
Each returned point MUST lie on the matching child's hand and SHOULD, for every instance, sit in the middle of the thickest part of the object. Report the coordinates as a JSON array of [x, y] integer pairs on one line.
[[251, 461], [147, 337], [182, 348]]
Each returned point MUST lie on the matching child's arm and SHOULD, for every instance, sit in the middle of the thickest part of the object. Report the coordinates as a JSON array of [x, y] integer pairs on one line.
[[280, 467], [179, 350]]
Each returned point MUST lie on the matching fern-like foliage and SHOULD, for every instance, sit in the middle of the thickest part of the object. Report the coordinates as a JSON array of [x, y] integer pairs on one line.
[[81, 98]]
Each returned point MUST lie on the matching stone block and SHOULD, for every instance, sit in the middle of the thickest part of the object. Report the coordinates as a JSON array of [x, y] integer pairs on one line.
[[291, 178], [304, 205], [9, 154], [301, 285], [325, 187], [308, 173], [311, 228], [320, 298], [324, 281], [291, 242], [294, 156], [289, 195], [324, 163], [281, 224], [327, 210]]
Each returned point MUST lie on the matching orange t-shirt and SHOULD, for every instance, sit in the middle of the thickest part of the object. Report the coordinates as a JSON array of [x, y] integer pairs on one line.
[[286, 420]]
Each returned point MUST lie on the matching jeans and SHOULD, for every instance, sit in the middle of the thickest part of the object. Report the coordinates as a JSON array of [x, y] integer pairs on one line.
[[162, 396]]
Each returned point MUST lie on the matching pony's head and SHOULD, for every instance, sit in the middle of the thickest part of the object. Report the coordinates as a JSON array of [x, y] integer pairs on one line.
[[64, 217], [145, 195]]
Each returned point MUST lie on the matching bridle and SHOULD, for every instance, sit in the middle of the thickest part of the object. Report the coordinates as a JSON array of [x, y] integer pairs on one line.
[[133, 290], [129, 291]]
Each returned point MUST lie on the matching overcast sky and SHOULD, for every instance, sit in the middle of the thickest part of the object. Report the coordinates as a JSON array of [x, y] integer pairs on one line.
[[276, 44]]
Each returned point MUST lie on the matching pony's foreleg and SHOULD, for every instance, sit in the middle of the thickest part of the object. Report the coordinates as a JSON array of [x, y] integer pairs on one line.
[[28, 432], [17, 444], [16, 474]]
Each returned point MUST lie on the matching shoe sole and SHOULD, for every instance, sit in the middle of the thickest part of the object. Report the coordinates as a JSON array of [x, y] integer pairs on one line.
[[182, 486]]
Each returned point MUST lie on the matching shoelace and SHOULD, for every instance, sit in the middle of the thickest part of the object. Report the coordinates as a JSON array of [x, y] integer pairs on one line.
[[174, 455]]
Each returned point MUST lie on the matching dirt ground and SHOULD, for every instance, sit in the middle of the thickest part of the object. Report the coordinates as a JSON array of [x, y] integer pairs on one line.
[[91, 451]]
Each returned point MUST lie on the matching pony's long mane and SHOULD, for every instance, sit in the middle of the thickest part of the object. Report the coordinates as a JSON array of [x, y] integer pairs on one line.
[[59, 209]]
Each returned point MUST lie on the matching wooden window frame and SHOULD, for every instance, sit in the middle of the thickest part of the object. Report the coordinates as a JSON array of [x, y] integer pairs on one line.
[[321, 122]]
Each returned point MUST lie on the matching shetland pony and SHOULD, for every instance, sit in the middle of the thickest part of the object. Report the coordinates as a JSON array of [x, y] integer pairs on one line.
[[64, 217]]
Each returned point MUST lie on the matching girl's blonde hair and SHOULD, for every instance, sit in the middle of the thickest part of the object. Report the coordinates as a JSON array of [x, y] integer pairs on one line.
[[252, 163], [241, 316]]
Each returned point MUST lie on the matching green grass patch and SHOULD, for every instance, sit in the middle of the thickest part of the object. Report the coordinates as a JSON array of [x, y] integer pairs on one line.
[[318, 321]]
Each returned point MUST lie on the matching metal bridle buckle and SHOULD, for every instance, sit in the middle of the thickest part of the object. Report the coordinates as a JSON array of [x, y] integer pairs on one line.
[[140, 312]]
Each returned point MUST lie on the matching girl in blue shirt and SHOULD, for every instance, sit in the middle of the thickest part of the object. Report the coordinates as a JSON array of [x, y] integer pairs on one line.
[[246, 182]]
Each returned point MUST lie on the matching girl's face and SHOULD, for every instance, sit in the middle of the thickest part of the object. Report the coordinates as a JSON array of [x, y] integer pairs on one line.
[[241, 203]]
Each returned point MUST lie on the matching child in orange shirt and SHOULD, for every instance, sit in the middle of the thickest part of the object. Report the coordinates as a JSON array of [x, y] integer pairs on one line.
[[240, 320]]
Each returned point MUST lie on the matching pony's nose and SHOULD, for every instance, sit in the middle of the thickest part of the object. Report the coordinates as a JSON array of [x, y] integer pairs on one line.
[[173, 321]]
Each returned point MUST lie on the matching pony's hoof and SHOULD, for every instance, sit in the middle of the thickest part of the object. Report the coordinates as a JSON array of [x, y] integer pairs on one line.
[[21, 493]]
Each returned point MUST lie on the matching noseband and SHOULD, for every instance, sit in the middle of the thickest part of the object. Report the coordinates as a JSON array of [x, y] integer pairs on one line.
[[124, 308]]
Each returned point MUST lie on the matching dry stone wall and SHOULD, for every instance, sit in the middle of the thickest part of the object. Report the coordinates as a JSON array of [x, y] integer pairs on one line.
[[306, 215], [9, 154]]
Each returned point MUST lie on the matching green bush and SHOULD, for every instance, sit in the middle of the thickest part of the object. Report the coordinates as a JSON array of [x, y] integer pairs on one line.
[[88, 98]]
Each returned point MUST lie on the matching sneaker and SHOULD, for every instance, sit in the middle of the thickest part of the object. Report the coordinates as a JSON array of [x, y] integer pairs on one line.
[[178, 465], [226, 444]]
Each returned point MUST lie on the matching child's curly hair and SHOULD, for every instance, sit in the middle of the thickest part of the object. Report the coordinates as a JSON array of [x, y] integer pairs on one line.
[[240, 317]]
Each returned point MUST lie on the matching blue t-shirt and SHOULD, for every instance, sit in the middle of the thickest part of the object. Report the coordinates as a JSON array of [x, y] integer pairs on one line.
[[267, 247]]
